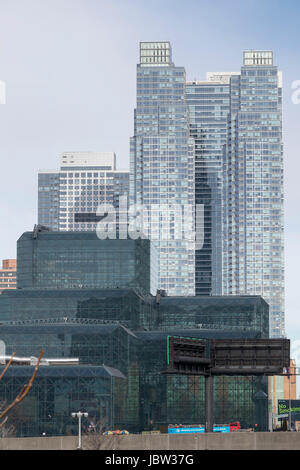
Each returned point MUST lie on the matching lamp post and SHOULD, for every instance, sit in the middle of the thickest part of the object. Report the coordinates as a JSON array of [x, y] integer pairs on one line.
[[79, 415]]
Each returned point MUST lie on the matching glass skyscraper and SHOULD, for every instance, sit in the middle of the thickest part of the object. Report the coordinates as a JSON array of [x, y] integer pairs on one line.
[[253, 258], [236, 121], [162, 164], [209, 105]]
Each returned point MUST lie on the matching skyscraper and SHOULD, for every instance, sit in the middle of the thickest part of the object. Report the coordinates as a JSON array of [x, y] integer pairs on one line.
[[236, 121], [69, 198], [162, 163], [209, 105], [253, 247]]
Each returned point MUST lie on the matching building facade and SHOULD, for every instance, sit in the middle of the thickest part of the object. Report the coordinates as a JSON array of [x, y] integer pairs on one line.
[[69, 260], [253, 257], [236, 121], [8, 275], [162, 165], [69, 199], [136, 310], [58, 391], [209, 105]]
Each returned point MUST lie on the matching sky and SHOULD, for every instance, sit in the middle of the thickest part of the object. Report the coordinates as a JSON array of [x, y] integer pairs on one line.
[[69, 67]]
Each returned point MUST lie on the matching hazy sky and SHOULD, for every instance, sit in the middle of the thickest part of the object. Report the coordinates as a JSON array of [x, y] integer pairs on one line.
[[70, 66]]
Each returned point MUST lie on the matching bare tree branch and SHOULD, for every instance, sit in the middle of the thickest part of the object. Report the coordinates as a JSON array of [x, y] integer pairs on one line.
[[7, 365], [4, 422], [25, 389]]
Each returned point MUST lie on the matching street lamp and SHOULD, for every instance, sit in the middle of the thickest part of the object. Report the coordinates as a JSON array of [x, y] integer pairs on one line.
[[79, 415]]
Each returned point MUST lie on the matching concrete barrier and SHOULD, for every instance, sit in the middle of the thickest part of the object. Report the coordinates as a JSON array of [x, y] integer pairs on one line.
[[213, 441], [163, 442], [39, 443]]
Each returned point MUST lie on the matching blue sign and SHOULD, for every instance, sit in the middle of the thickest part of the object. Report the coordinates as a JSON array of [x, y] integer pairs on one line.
[[197, 430], [185, 430], [221, 429]]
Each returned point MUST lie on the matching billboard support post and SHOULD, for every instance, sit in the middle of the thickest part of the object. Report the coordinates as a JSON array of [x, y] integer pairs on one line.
[[209, 403]]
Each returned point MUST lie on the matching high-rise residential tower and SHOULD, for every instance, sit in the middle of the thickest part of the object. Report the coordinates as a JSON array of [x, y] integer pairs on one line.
[[162, 164], [236, 121], [209, 105], [253, 258], [69, 198]]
